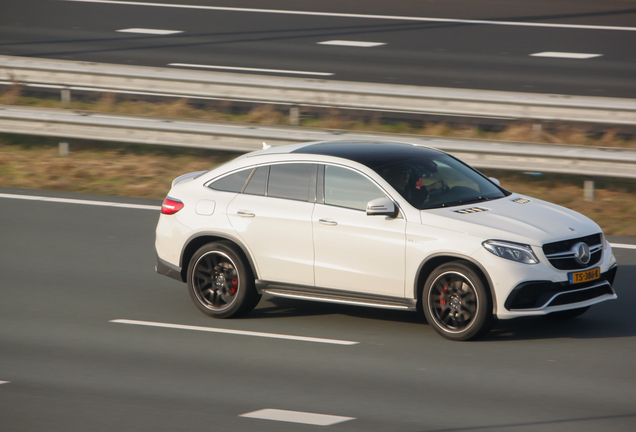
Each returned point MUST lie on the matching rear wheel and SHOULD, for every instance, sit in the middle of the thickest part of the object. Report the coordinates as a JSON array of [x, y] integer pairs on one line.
[[220, 282], [456, 302]]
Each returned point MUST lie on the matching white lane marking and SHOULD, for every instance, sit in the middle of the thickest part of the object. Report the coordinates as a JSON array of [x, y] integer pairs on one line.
[[4, 382], [352, 43], [235, 332], [555, 54], [350, 15], [622, 246], [77, 201], [250, 69], [150, 31], [297, 417], [149, 207]]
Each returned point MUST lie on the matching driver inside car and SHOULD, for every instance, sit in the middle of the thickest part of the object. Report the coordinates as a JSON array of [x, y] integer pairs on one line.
[[410, 184]]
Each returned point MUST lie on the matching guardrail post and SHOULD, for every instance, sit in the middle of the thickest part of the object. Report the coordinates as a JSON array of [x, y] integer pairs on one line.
[[64, 148], [294, 115], [588, 190], [65, 95]]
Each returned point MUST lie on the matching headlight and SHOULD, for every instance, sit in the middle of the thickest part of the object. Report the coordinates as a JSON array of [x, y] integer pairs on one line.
[[513, 251]]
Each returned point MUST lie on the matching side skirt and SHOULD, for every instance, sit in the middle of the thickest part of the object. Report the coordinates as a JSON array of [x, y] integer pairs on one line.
[[333, 296]]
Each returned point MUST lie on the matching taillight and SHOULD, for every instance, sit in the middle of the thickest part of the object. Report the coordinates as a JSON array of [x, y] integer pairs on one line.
[[171, 206]]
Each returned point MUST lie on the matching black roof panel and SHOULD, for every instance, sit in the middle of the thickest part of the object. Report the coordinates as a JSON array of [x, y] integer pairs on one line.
[[371, 154]]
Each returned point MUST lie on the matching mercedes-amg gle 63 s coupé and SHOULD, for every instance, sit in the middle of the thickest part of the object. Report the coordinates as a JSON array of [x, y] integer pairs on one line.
[[378, 224]]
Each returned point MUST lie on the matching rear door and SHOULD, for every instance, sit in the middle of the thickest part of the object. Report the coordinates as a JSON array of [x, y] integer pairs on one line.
[[273, 217]]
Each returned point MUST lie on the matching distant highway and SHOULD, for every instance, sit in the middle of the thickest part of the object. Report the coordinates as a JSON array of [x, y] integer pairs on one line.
[[92, 339], [560, 46]]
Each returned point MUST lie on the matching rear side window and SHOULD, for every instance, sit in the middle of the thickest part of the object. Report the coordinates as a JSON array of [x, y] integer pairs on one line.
[[296, 181], [233, 182], [258, 182]]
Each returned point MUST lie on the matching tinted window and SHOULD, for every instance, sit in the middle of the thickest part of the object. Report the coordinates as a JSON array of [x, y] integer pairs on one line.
[[438, 181], [347, 188], [233, 182], [258, 182], [292, 181]]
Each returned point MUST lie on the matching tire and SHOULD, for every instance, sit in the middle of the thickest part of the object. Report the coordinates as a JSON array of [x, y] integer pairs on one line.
[[456, 302], [220, 282], [568, 314]]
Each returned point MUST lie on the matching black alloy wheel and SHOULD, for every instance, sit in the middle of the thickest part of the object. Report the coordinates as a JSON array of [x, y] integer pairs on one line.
[[456, 302], [220, 282]]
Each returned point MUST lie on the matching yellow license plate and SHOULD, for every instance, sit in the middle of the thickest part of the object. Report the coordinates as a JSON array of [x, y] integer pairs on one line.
[[585, 276]]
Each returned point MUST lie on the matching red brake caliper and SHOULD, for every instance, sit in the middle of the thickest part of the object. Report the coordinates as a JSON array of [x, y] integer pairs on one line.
[[442, 300], [234, 285]]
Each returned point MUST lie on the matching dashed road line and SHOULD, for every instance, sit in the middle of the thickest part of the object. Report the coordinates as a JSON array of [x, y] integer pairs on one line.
[[568, 55], [150, 31], [77, 201], [352, 43], [363, 16], [297, 417], [234, 332], [245, 69], [4, 382]]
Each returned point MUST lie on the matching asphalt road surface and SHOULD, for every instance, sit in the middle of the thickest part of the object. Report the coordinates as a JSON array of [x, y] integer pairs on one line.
[[573, 47], [68, 270]]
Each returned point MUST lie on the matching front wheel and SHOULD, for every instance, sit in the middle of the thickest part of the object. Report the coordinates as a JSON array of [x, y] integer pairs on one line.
[[220, 282], [456, 302]]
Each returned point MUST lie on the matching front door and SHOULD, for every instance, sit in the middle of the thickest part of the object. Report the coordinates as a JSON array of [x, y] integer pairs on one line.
[[353, 251]]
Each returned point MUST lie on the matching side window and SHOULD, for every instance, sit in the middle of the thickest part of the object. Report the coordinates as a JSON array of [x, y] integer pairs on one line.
[[292, 181], [258, 182], [347, 188], [233, 182]]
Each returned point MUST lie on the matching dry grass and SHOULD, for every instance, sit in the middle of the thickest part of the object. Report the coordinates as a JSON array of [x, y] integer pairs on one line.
[[100, 171], [613, 208], [142, 171], [147, 172]]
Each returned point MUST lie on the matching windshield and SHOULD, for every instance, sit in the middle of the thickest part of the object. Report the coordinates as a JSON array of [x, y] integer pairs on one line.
[[438, 180]]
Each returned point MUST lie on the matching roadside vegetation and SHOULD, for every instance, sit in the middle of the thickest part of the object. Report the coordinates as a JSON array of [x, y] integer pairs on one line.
[[146, 171]]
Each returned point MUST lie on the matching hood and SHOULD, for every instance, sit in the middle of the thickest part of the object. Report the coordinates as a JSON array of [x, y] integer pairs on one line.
[[513, 218]]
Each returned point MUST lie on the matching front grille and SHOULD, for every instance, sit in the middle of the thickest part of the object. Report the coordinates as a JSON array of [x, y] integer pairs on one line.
[[562, 257], [536, 295]]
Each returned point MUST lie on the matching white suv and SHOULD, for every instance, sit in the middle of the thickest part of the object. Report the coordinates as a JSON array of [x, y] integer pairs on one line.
[[378, 224]]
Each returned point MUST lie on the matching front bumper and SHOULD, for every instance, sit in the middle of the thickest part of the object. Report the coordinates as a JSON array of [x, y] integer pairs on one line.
[[547, 295]]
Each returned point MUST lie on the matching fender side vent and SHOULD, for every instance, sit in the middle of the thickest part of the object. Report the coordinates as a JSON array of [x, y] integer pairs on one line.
[[521, 200], [471, 210]]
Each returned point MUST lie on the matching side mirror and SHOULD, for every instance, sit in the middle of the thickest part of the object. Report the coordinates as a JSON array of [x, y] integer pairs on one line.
[[494, 180], [382, 207]]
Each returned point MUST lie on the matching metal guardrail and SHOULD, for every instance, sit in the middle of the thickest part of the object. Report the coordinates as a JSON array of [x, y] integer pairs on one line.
[[68, 124], [316, 92]]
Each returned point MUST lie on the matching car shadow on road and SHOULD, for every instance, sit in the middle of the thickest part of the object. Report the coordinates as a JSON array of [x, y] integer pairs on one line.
[[278, 307], [611, 319]]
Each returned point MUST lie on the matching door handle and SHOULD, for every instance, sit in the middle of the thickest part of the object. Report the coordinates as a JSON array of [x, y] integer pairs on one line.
[[245, 214], [328, 222]]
